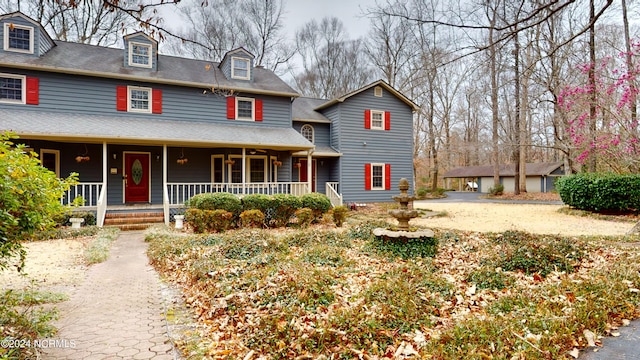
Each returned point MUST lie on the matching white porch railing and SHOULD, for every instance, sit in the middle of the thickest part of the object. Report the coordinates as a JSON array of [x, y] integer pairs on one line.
[[178, 193], [90, 192], [332, 190], [102, 206]]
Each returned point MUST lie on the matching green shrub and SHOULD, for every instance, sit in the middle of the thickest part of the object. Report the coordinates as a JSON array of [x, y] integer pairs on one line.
[[216, 201], [340, 215], [496, 190], [318, 203], [422, 192], [209, 220], [600, 192], [284, 206], [252, 218], [405, 248], [304, 216]]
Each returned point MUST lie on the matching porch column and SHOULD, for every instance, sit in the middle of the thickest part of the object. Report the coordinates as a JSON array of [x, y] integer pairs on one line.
[[244, 171], [309, 173], [165, 199], [102, 197]]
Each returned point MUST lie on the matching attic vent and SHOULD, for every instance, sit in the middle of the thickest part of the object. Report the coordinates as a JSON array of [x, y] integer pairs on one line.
[[377, 91]]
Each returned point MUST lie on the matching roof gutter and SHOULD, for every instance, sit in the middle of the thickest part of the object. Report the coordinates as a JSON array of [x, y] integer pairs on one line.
[[143, 79]]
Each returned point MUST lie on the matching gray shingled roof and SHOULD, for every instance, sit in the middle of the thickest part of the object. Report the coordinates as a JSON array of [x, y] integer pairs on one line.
[[123, 129], [532, 169], [92, 60], [303, 110]]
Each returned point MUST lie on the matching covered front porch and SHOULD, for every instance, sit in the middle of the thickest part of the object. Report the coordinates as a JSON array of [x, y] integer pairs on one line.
[[167, 176]]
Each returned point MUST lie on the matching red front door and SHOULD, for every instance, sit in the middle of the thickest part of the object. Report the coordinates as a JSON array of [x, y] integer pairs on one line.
[[303, 173], [136, 177]]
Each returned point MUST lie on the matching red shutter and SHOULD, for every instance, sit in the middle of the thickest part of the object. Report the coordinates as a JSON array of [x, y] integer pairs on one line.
[[33, 91], [156, 105], [387, 120], [387, 176], [367, 176], [121, 98], [258, 110], [367, 119], [231, 107]]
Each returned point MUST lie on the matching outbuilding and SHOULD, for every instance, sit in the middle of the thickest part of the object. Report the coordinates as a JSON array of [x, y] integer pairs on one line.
[[540, 176]]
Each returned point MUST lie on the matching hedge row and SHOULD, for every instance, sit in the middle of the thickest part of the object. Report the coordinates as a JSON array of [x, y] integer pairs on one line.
[[221, 211], [600, 192]]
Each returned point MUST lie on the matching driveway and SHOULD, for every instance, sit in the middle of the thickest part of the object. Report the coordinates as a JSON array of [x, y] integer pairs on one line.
[[476, 197]]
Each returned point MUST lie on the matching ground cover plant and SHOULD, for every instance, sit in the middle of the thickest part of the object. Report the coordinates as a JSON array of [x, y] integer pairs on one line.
[[337, 293]]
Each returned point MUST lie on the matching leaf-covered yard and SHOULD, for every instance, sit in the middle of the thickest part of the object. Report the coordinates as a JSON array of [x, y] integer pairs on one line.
[[328, 292]]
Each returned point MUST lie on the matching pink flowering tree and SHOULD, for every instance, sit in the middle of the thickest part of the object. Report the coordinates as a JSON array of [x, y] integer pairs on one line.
[[615, 141]]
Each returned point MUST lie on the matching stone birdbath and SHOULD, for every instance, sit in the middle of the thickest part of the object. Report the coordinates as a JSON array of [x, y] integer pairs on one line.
[[403, 215]]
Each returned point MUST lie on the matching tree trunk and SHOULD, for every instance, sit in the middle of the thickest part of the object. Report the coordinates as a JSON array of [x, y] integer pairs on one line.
[[516, 152], [591, 165]]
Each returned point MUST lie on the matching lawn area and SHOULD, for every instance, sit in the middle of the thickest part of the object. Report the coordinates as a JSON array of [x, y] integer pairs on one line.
[[326, 292]]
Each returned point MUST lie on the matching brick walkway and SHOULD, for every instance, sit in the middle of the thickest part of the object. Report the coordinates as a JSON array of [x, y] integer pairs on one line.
[[117, 312]]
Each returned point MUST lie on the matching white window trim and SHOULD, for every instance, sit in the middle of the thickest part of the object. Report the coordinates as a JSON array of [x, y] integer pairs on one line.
[[313, 132], [144, 111], [24, 89], [213, 169], [253, 109], [57, 155], [247, 170], [381, 127], [233, 68], [131, 63], [384, 176], [6, 38]]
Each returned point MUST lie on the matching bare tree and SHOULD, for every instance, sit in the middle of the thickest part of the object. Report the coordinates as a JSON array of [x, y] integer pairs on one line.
[[91, 23], [332, 65]]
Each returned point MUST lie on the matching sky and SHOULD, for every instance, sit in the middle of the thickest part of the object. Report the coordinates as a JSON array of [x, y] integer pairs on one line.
[[300, 12]]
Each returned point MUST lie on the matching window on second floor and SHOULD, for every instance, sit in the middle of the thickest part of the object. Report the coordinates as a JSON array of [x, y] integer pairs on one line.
[[377, 120], [19, 89], [240, 68], [12, 88], [138, 99], [307, 132], [241, 108], [140, 54], [18, 38]]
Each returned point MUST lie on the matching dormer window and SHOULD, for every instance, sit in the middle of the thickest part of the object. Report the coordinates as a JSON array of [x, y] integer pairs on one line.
[[240, 68], [18, 38], [140, 54]]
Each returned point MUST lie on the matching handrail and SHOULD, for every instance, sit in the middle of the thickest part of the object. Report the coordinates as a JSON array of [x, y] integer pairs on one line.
[[331, 189], [165, 206], [102, 206]]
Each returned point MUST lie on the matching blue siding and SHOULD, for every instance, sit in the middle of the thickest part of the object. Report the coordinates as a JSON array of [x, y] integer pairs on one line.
[[78, 94], [321, 132], [394, 147]]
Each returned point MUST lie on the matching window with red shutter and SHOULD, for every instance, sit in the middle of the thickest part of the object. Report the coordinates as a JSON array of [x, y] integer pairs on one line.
[[259, 110], [367, 176], [33, 91], [231, 107], [367, 119], [121, 98], [387, 176], [156, 101]]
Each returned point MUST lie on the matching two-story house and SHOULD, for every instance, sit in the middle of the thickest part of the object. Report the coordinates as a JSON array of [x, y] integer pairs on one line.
[[148, 131]]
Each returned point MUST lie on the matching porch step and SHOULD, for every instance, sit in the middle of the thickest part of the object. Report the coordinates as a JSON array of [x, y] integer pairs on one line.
[[128, 221]]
